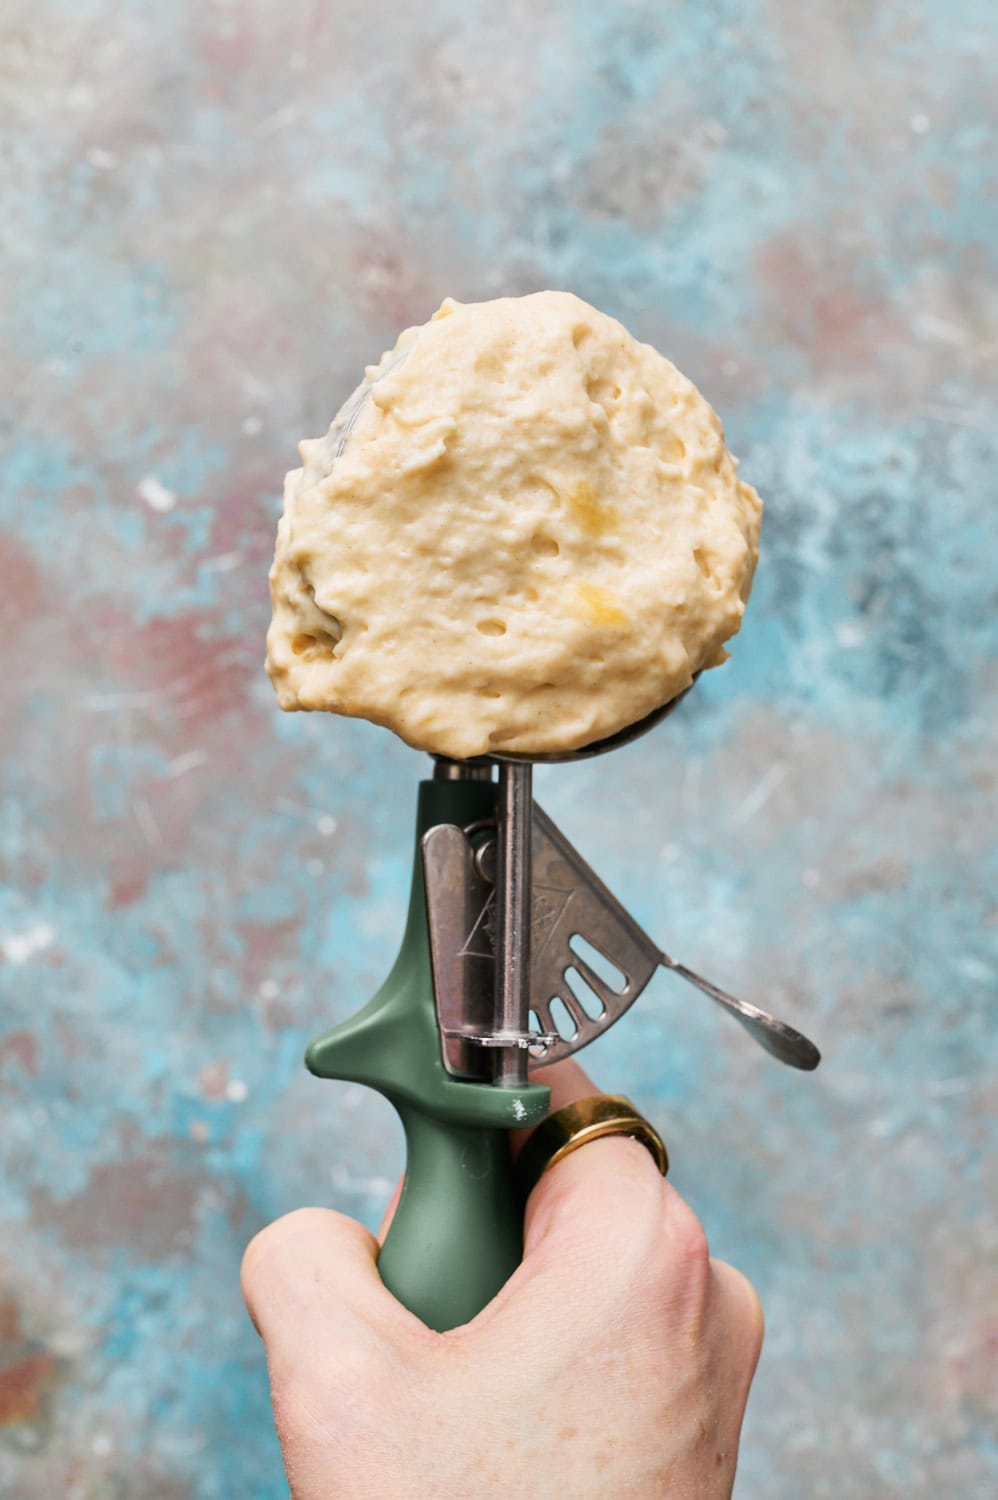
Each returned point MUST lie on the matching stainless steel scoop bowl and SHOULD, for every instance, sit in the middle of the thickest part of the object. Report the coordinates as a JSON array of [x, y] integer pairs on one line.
[[610, 742]]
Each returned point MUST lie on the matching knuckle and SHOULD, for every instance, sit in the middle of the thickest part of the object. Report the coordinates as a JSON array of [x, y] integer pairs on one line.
[[273, 1245], [687, 1235], [693, 1242], [261, 1246], [680, 1265]]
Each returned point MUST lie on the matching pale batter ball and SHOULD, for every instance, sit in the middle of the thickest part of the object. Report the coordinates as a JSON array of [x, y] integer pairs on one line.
[[522, 532]]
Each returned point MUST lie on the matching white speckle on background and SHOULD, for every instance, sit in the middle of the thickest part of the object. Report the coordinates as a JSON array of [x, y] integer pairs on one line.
[[849, 635], [236, 1091], [955, 416], [369, 1187], [222, 562], [326, 825], [18, 947], [68, 1342], [920, 123], [268, 989], [279, 120], [101, 1445], [928, 326], [811, 879], [155, 494], [252, 425], [104, 161], [760, 793], [189, 761], [147, 822], [944, 1088], [974, 968]]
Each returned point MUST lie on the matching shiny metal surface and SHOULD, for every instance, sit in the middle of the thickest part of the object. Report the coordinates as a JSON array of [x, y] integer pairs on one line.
[[578, 1124], [459, 878], [779, 1039], [513, 887], [567, 902], [445, 769], [598, 747], [570, 899], [459, 908], [597, 917], [571, 902]]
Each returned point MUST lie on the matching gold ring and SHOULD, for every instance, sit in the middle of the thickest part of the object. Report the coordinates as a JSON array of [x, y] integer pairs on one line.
[[576, 1125]]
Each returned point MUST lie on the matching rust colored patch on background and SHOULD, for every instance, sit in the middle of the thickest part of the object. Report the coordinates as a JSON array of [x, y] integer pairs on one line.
[[213, 1080], [23, 1385], [10, 1323], [22, 1047], [146, 1205], [822, 304], [20, 584], [28, 1372]]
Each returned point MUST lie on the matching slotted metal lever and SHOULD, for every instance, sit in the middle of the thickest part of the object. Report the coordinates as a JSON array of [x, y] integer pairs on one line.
[[571, 902], [568, 903]]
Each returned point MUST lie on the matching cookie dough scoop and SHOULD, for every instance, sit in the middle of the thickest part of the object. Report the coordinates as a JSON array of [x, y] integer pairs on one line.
[[479, 559], [522, 533]]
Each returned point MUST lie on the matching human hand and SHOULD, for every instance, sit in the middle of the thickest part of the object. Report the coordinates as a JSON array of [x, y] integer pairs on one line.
[[616, 1361]]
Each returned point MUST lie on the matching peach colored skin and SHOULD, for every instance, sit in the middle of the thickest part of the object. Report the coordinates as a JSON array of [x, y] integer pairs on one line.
[[615, 1362]]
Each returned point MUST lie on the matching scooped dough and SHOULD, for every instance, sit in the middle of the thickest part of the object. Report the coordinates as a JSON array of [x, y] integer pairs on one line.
[[522, 532]]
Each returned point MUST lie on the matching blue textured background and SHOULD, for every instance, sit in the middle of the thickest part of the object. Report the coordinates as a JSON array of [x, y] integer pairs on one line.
[[213, 215]]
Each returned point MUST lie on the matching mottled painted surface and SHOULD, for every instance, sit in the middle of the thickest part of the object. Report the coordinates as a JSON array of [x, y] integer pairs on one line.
[[213, 215]]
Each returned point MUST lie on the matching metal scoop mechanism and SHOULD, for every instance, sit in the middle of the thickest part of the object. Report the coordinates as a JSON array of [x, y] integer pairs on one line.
[[512, 916], [514, 954], [574, 923]]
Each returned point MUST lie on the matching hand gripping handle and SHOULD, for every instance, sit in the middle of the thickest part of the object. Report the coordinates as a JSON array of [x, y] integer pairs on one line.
[[458, 1231]]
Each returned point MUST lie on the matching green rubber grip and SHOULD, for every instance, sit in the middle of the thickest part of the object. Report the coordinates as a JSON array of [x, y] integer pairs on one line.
[[457, 1234]]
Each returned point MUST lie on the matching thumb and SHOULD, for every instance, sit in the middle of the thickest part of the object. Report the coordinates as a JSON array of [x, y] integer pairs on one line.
[[311, 1279]]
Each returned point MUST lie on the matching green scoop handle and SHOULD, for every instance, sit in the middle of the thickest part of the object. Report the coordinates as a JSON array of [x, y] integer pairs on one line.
[[457, 1234]]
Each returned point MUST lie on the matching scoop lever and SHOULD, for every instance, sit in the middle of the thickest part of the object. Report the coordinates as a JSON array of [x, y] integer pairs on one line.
[[778, 1039], [572, 907]]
